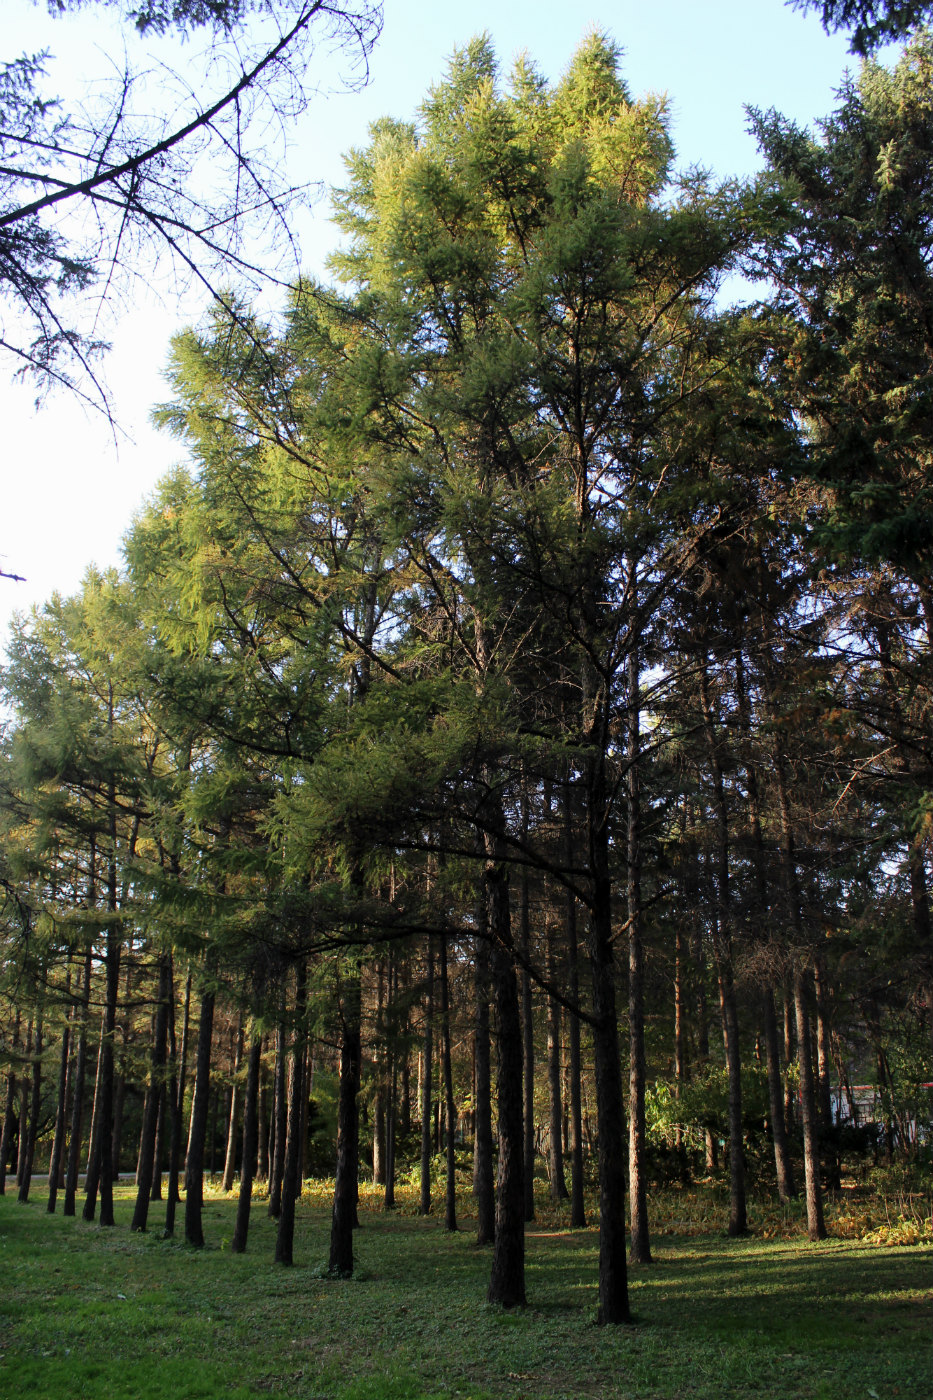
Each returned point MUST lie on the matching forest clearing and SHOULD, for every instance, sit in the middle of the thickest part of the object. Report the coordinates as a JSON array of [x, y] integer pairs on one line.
[[89, 1312]]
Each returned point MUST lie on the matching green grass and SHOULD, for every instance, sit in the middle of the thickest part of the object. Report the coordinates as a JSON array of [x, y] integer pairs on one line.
[[86, 1312]]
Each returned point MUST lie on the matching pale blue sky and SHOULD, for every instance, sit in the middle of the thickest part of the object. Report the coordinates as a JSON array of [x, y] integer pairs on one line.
[[69, 494]]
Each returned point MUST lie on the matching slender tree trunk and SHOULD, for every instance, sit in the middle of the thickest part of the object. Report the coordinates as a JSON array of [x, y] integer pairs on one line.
[[61, 1101], [558, 1186], [483, 1187], [640, 1246], [279, 1111], [790, 1056], [9, 1117], [291, 1178], [722, 948], [151, 1110], [816, 1228], [194, 1165], [25, 1096], [344, 1218], [177, 1106], [507, 1279], [158, 1155], [577, 1207], [528, 1043], [233, 1121], [808, 1112], [824, 1073], [783, 1166], [262, 1147], [379, 1070], [450, 1200], [72, 1169], [250, 1144], [34, 1108], [613, 1274], [424, 1207]]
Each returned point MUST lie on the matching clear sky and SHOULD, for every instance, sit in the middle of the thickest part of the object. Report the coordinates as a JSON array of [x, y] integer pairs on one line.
[[69, 492]]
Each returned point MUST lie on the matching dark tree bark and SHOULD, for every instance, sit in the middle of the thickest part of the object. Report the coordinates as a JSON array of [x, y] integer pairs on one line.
[[528, 1043], [577, 1208], [61, 1102], [424, 1207], [343, 1219], [722, 950], [233, 1120], [380, 1054], [262, 1147], [147, 1145], [783, 1165], [35, 1104], [782, 1161], [158, 1155], [558, 1186], [816, 1228], [77, 1103], [25, 1096], [250, 1145], [9, 1116], [613, 1272], [194, 1166], [450, 1196], [177, 1106], [483, 1185], [507, 1279], [279, 1117], [291, 1178], [640, 1246]]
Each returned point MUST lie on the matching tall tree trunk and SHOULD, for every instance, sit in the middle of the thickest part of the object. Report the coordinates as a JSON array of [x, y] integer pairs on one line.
[[424, 1207], [9, 1116], [177, 1105], [233, 1121], [558, 1186], [680, 1026], [577, 1207], [197, 1137], [73, 1166], [35, 1105], [450, 1198], [528, 1041], [158, 1155], [279, 1116], [153, 1098], [640, 1246], [291, 1178], [379, 1072], [816, 1228], [109, 1140], [507, 1278], [25, 1095], [783, 1165], [344, 1217], [483, 1187], [262, 1142], [722, 949], [250, 1144], [61, 1100], [824, 1072]]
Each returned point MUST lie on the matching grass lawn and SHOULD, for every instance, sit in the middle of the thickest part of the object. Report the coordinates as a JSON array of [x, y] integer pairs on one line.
[[89, 1313]]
